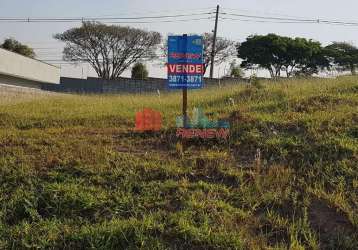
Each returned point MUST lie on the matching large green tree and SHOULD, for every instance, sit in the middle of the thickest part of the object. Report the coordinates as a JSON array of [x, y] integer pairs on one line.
[[16, 47], [264, 51], [109, 49], [279, 54], [344, 55], [304, 57]]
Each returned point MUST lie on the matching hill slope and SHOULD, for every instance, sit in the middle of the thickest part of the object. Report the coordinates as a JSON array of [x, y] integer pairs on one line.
[[74, 174]]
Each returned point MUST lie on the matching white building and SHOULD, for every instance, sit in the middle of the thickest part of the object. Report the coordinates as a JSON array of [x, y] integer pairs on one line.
[[19, 70]]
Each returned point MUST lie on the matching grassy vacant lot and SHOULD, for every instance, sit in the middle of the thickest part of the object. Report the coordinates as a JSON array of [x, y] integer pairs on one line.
[[74, 175]]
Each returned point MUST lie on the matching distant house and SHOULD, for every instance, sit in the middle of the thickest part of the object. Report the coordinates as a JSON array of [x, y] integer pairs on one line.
[[19, 70]]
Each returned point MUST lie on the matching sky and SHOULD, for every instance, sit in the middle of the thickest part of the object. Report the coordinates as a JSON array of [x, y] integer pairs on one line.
[[40, 35]]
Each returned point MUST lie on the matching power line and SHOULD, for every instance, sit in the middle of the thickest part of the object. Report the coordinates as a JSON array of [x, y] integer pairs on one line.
[[264, 21], [44, 50], [289, 20], [164, 21], [53, 48], [74, 62], [314, 20], [262, 12], [49, 52], [270, 18], [211, 9], [82, 19], [148, 22], [43, 43], [293, 22], [252, 18], [157, 12], [158, 19], [338, 22]]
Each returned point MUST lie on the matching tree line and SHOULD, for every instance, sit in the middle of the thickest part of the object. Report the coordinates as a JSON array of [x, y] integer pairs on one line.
[[295, 56], [112, 49]]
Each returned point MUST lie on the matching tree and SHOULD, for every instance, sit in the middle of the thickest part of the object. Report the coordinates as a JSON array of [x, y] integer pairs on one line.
[[224, 49], [110, 50], [16, 47], [139, 71], [265, 51], [275, 53], [344, 55], [235, 70], [304, 57]]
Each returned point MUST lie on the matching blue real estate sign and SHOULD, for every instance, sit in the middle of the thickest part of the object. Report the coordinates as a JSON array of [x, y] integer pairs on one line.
[[185, 62]]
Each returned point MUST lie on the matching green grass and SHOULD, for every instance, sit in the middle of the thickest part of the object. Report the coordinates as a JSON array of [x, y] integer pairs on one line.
[[74, 174]]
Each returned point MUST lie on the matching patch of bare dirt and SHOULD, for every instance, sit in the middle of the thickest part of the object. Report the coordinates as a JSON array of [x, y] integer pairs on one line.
[[328, 223]]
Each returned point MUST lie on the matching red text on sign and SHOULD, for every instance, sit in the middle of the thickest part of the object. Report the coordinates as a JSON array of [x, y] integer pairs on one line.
[[184, 56]]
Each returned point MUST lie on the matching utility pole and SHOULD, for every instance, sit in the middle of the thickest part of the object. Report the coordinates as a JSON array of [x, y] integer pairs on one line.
[[214, 42], [185, 90]]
